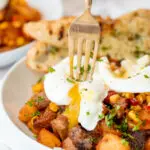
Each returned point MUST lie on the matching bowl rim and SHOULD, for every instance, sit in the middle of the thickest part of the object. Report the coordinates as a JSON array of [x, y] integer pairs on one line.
[[17, 48], [3, 106]]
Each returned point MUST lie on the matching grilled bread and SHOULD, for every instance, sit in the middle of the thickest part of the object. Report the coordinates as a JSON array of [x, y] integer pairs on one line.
[[129, 33]]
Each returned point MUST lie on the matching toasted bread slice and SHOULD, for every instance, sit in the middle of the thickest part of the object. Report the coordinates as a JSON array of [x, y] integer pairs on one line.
[[129, 33], [41, 56]]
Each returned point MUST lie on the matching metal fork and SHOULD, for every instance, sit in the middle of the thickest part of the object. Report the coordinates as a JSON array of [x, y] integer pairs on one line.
[[84, 29]]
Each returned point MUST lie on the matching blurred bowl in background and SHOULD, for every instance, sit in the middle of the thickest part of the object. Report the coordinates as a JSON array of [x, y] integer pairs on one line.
[[10, 57], [48, 10]]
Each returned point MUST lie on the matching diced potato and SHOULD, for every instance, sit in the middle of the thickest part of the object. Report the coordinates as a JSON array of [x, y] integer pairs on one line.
[[26, 112], [111, 141], [49, 139], [37, 88]]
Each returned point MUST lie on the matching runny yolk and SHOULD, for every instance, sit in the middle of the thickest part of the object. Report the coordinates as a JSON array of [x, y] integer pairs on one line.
[[72, 110]]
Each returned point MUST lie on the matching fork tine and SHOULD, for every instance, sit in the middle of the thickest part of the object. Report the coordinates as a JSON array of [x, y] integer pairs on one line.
[[94, 58], [79, 57], [87, 58], [71, 55]]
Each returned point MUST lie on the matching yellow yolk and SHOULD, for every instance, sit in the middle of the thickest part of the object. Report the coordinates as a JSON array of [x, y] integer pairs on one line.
[[73, 109]]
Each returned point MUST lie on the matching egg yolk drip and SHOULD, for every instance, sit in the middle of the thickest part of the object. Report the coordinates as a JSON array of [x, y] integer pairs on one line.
[[73, 109]]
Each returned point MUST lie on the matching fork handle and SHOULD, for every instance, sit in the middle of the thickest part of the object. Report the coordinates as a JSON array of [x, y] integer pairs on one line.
[[88, 4]]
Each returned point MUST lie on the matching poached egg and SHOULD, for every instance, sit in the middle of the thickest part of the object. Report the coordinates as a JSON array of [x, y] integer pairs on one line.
[[84, 99]]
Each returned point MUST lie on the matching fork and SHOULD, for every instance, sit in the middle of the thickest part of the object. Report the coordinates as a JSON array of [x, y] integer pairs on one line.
[[84, 29]]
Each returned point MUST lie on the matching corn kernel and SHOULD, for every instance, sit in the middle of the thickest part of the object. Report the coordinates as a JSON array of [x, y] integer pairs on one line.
[[20, 41], [37, 88], [16, 24], [128, 95], [148, 99], [4, 25], [141, 98], [114, 98], [53, 107], [136, 108], [133, 116], [32, 120]]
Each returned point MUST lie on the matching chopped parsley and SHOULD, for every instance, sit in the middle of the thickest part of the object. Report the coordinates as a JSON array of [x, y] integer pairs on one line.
[[93, 139], [39, 99], [127, 135], [146, 76], [101, 116], [51, 70], [87, 113], [53, 50], [85, 89], [75, 67], [109, 118], [105, 48], [123, 127], [37, 113], [137, 36], [124, 142], [100, 59], [137, 127], [91, 54], [70, 80], [35, 136], [89, 68], [137, 48], [30, 103], [41, 79], [81, 70]]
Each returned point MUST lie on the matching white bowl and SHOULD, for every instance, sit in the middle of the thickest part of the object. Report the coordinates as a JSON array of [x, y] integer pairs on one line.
[[48, 11], [16, 90]]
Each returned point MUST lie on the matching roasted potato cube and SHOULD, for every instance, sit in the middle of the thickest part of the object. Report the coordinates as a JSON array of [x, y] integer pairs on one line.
[[49, 139], [26, 112], [110, 141]]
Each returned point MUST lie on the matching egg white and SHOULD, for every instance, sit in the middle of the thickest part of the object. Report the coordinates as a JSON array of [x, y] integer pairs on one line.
[[138, 83], [57, 87]]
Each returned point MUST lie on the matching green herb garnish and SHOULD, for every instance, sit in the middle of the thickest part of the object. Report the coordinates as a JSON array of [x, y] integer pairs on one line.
[[51, 70], [123, 126], [89, 68], [101, 116], [41, 79], [100, 59], [124, 142], [35, 136], [39, 99], [37, 113], [110, 117], [87, 113], [70, 80], [146, 76], [91, 54], [30, 103], [137, 36], [93, 140], [105, 48], [53, 50]]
